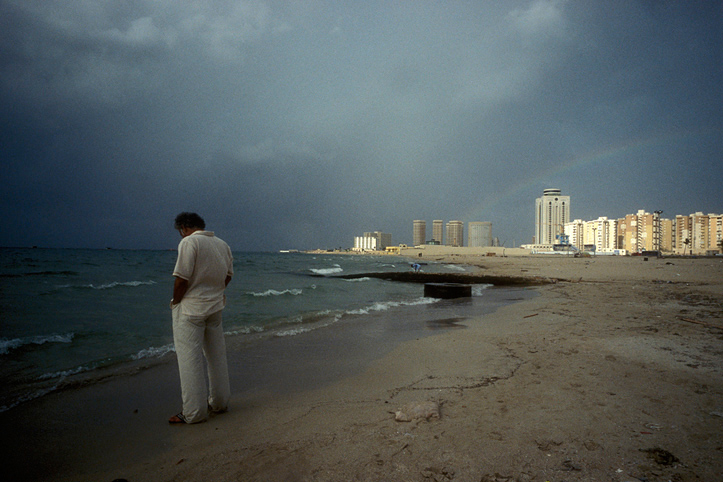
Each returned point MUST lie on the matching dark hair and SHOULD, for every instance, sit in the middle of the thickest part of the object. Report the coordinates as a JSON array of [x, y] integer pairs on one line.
[[189, 220]]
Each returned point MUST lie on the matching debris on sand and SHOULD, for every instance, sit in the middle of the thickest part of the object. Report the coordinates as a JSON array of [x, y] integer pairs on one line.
[[417, 410]]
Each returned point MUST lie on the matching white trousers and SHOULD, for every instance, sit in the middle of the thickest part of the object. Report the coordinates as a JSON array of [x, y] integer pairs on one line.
[[196, 337]]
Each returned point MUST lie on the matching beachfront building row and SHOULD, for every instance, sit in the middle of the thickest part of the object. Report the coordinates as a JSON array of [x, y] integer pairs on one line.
[[479, 233], [372, 241], [696, 234]]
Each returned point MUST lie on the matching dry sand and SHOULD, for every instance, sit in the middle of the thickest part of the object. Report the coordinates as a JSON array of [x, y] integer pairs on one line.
[[613, 373]]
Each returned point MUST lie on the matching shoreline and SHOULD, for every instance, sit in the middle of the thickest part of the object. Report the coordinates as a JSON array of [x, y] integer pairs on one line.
[[600, 377], [69, 433]]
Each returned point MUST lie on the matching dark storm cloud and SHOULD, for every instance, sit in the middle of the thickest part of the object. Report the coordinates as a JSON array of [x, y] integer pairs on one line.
[[303, 124]]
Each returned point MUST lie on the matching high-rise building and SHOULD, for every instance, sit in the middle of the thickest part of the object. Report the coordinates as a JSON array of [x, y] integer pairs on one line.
[[455, 233], [701, 232], [667, 235], [645, 232], [438, 231], [419, 232], [552, 211], [683, 234], [383, 239], [715, 232], [602, 234], [575, 232], [479, 234], [364, 243]]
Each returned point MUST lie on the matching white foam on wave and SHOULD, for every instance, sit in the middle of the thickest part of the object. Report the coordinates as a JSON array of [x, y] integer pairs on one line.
[[7, 345], [246, 330], [270, 292], [455, 267], [385, 305], [327, 271], [154, 352], [108, 286], [116, 284], [478, 289], [292, 332], [366, 278], [64, 373], [32, 396]]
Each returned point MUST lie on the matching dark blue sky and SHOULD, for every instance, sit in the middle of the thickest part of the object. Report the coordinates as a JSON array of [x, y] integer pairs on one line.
[[304, 124]]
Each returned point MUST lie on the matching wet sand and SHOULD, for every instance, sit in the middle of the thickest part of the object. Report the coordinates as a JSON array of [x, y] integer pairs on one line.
[[614, 372]]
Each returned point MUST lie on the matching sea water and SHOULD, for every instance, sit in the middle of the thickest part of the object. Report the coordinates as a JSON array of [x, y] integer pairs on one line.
[[72, 316]]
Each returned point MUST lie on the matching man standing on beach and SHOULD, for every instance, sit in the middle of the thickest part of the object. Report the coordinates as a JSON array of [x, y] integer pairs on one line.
[[203, 270]]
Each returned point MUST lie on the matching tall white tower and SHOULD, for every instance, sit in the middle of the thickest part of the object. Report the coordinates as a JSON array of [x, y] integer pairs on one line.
[[552, 211], [419, 232]]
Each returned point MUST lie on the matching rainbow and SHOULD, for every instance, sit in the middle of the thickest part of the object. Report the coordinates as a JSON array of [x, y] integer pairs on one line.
[[531, 187]]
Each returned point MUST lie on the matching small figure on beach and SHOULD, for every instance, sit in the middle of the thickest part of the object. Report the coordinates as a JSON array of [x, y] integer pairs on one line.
[[416, 267], [203, 270]]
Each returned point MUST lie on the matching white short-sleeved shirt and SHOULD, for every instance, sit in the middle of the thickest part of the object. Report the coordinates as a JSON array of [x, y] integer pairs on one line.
[[204, 261]]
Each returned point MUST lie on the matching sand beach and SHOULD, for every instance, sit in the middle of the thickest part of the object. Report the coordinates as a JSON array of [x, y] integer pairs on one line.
[[612, 370]]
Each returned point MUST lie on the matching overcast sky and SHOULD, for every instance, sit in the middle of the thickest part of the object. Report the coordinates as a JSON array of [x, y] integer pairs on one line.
[[301, 124]]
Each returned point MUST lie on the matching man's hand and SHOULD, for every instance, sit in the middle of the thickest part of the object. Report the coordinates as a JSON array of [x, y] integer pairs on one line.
[[180, 286]]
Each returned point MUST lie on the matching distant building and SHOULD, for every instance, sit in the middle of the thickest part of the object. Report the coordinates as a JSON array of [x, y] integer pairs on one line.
[[364, 243], [419, 232], [383, 239], [479, 234], [667, 235], [455, 233], [716, 232], [372, 241], [552, 211], [438, 231], [575, 232], [644, 231], [698, 233], [683, 234], [602, 234]]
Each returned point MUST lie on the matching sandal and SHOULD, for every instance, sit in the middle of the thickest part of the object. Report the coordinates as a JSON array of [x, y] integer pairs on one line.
[[179, 418]]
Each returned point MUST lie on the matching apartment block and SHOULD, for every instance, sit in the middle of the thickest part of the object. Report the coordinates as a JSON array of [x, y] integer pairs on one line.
[[438, 231], [715, 231], [479, 234], [372, 241], [364, 243], [683, 234], [644, 231], [667, 235], [575, 232], [419, 232], [455, 233]]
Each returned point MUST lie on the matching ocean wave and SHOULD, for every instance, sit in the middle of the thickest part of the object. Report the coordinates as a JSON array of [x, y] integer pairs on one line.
[[7, 345], [116, 284], [31, 396], [292, 332], [270, 292], [366, 278], [108, 286], [327, 271], [478, 289], [455, 267], [385, 305], [246, 330], [154, 352], [64, 373]]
